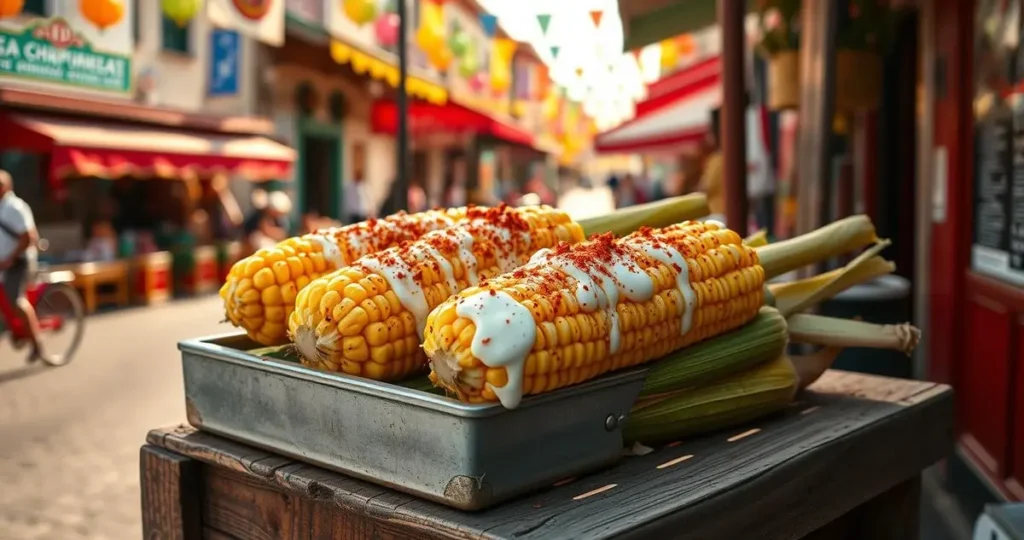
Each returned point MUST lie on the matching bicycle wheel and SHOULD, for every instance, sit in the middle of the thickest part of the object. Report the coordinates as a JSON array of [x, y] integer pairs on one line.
[[62, 318]]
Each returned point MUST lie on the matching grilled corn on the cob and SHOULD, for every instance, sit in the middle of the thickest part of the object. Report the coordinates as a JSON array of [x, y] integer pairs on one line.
[[580, 311], [260, 290], [367, 319]]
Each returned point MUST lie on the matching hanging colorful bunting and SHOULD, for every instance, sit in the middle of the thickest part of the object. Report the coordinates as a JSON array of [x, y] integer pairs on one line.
[[686, 45], [430, 36], [579, 72], [489, 23], [554, 51], [669, 54], [386, 29], [544, 19], [596, 16]]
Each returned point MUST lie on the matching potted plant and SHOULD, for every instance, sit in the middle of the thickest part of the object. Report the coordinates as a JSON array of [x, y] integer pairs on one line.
[[864, 31], [779, 22]]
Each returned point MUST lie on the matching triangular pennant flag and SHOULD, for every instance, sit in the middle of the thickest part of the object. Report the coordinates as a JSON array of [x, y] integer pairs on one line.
[[596, 16], [544, 19], [579, 72], [554, 51], [490, 23]]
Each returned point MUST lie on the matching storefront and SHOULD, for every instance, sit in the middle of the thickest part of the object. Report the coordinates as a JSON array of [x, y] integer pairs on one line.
[[136, 177], [976, 253]]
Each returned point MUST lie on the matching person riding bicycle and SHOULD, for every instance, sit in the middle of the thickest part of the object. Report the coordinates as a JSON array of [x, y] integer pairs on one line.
[[17, 252]]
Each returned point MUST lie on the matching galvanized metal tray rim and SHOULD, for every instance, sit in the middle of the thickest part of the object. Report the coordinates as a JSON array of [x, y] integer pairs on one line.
[[210, 347]]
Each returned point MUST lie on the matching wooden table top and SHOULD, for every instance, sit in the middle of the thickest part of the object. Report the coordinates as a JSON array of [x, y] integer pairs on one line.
[[848, 439]]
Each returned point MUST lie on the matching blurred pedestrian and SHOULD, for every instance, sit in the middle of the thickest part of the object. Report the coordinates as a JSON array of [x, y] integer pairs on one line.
[[266, 225], [357, 206], [18, 237]]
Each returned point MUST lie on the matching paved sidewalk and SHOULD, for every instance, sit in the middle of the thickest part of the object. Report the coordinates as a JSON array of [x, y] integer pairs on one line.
[[69, 437]]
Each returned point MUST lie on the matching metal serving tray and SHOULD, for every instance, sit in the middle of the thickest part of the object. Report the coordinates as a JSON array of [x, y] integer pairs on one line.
[[462, 455]]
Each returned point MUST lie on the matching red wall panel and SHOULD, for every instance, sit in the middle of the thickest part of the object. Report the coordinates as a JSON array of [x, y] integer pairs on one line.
[[985, 378]]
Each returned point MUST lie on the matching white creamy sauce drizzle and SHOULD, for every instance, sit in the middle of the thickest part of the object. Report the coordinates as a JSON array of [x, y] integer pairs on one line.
[[423, 250], [469, 262], [505, 333], [332, 254], [671, 257], [401, 278]]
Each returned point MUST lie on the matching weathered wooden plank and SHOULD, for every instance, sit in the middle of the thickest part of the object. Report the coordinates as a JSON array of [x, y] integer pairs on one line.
[[168, 483], [246, 507], [868, 431], [214, 450]]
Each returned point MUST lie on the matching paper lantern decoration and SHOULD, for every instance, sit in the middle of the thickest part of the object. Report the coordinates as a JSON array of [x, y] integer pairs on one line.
[[669, 54], [360, 11], [11, 8], [386, 29], [181, 11], [102, 13], [501, 63]]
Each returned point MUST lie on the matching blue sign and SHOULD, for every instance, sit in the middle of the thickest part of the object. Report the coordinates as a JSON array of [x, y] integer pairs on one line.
[[225, 50]]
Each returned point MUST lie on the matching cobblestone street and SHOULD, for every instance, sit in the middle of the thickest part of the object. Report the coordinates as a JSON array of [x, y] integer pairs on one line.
[[70, 437]]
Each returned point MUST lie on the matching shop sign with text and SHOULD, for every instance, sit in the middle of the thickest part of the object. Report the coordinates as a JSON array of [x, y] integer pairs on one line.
[[51, 50]]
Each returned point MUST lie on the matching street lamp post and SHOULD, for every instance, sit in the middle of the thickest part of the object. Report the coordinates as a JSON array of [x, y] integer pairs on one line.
[[401, 186]]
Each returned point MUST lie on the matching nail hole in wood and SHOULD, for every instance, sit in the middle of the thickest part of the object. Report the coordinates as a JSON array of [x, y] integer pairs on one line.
[[594, 492], [743, 435], [675, 461]]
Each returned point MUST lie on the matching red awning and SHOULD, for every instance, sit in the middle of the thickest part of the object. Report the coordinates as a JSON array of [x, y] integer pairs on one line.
[[110, 150], [448, 118]]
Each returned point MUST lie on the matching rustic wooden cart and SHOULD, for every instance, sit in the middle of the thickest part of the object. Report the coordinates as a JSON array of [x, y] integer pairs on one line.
[[844, 462]]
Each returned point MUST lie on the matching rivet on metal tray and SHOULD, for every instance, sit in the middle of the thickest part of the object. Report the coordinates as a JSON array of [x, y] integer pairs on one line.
[[611, 422]]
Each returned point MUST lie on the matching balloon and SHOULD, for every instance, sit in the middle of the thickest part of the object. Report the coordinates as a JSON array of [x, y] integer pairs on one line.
[[459, 43], [102, 13], [360, 11], [469, 61], [386, 29], [181, 11], [477, 82], [430, 34], [442, 59], [11, 8]]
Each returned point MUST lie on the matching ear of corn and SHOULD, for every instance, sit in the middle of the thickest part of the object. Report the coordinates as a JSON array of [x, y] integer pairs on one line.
[[763, 389], [760, 340], [260, 290], [366, 319], [561, 321]]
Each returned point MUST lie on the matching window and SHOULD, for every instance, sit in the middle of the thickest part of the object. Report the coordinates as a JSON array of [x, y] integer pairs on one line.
[[175, 38], [34, 7]]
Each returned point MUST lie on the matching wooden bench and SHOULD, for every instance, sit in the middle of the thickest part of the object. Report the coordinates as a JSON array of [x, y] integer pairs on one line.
[[92, 277], [844, 462]]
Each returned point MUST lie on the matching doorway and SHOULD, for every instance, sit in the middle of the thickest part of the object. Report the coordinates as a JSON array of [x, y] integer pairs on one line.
[[319, 168]]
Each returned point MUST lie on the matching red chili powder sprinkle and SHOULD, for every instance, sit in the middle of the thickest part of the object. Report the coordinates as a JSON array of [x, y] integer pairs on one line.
[[493, 292], [486, 340]]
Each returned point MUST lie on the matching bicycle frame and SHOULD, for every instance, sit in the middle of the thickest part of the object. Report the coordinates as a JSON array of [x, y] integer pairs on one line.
[[12, 317]]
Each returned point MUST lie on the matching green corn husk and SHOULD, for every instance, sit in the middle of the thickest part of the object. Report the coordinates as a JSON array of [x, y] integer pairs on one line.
[[758, 341], [286, 352], [758, 391], [832, 240], [653, 214]]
